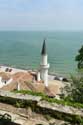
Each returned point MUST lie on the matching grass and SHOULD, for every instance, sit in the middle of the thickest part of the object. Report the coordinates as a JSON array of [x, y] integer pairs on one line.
[[51, 100]]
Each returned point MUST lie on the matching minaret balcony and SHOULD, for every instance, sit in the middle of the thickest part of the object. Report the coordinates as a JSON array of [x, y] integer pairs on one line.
[[44, 66]]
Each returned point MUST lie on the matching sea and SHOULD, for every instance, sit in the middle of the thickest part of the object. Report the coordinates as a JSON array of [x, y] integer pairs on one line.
[[22, 49]]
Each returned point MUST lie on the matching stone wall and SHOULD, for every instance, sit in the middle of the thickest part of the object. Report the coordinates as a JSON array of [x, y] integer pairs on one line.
[[38, 105]]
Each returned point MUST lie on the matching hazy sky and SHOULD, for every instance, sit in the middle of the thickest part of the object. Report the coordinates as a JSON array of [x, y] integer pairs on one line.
[[41, 14]]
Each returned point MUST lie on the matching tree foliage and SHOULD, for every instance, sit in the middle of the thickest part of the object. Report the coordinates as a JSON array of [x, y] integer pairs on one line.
[[79, 58], [75, 90]]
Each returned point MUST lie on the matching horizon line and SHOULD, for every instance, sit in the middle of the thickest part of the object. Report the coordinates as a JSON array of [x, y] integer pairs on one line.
[[42, 30]]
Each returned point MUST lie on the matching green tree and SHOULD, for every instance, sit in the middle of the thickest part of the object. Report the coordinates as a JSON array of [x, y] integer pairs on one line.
[[79, 58], [75, 90]]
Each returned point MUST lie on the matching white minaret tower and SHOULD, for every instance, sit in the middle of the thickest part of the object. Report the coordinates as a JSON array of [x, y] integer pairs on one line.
[[44, 66]]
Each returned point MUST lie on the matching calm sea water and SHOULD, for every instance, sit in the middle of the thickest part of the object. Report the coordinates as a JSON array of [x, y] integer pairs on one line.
[[22, 49]]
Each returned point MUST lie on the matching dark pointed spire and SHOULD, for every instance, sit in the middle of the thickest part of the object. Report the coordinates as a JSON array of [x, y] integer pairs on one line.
[[43, 52]]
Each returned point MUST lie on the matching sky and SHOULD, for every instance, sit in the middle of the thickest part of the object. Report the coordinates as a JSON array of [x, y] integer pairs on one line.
[[41, 15]]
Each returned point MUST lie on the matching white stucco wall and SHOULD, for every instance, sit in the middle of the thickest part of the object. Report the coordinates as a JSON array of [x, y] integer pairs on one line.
[[2, 83]]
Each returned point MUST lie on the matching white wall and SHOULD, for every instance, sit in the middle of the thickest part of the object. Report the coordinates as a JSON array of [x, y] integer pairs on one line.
[[2, 83]]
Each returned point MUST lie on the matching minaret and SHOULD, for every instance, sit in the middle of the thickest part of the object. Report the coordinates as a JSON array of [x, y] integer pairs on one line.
[[44, 66]]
